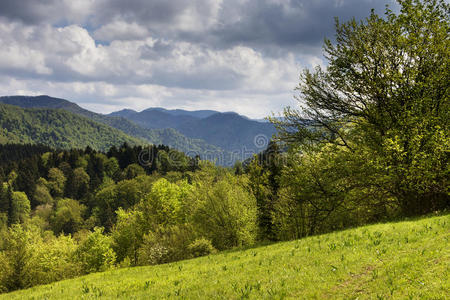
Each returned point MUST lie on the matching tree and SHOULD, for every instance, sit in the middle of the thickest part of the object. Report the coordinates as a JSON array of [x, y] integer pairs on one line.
[[163, 205], [127, 235], [132, 171], [56, 182], [20, 207], [5, 200], [68, 216], [42, 194], [225, 212], [17, 250], [384, 96], [81, 182], [95, 253]]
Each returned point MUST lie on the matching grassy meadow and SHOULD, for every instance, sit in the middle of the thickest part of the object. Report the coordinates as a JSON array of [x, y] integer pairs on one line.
[[403, 260]]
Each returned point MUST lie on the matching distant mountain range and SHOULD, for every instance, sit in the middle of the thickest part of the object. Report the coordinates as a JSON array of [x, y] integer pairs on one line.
[[208, 133], [229, 131]]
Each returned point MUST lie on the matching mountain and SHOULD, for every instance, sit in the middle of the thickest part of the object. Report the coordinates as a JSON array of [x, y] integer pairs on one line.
[[166, 136], [181, 112], [123, 113], [57, 128], [212, 135], [156, 118], [229, 131]]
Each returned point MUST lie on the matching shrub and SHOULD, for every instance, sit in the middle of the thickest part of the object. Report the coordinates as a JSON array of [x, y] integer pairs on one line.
[[201, 247], [225, 212], [95, 253], [165, 244]]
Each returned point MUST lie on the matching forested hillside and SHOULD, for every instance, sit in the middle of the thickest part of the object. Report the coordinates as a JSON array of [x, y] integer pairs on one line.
[[58, 129], [205, 132], [166, 135]]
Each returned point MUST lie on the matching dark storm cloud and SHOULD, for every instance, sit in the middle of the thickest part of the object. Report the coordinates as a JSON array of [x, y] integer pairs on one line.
[[288, 23], [257, 23], [221, 24], [30, 11]]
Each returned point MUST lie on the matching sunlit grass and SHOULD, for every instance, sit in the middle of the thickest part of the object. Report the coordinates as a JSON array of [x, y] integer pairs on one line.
[[405, 260]]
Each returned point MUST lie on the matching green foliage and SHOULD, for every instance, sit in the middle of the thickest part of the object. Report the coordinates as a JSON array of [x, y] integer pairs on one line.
[[20, 207], [132, 171], [17, 253], [28, 260], [382, 104], [52, 260], [95, 253], [127, 235], [201, 247], [163, 204], [57, 128], [80, 181], [42, 194], [165, 244], [68, 216], [225, 212], [56, 182], [125, 194]]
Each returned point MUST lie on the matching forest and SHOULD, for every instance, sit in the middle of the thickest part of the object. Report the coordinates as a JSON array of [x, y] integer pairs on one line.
[[369, 142]]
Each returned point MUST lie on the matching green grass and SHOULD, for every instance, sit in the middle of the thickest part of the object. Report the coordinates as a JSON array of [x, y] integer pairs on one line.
[[404, 260]]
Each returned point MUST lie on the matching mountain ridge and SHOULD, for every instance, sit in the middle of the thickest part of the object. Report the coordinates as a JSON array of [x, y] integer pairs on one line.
[[206, 133], [167, 136]]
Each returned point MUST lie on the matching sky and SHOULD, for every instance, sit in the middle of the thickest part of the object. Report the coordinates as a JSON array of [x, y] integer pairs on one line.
[[227, 55]]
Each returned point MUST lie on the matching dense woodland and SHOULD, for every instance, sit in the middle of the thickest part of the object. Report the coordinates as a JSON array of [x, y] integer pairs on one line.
[[375, 147], [57, 128]]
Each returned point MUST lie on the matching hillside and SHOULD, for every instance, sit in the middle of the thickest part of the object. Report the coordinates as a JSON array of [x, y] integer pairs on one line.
[[163, 135], [57, 128], [395, 260], [229, 131]]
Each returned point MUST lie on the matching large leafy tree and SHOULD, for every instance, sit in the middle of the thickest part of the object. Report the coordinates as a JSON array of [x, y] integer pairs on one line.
[[384, 96]]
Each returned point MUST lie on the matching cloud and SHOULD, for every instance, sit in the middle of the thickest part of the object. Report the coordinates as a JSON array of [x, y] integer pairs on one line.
[[71, 53], [120, 30], [47, 11], [241, 55]]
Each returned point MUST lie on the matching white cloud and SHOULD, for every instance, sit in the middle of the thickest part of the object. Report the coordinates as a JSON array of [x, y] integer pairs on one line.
[[67, 62], [121, 30], [203, 54]]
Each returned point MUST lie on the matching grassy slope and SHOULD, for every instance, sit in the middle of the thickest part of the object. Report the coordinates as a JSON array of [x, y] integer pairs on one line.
[[395, 260]]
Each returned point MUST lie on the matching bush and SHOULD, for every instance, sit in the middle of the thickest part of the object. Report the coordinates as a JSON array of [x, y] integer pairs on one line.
[[201, 247], [6, 271], [225, 212], [165, 244], [20, 207], [52, 260], [95, 253]]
